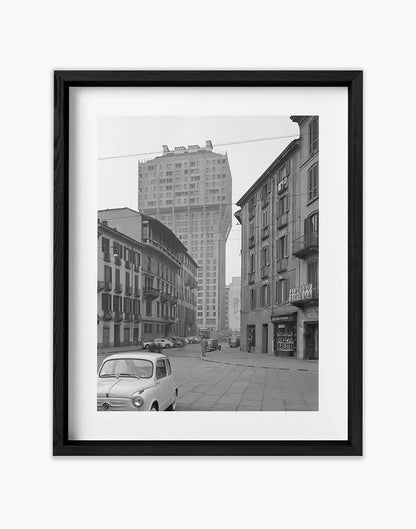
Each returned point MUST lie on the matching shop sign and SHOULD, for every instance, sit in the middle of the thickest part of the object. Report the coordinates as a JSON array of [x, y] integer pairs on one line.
[[300, 293]]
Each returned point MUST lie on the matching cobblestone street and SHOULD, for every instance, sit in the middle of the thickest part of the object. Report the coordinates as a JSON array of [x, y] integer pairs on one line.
[[230, 380]]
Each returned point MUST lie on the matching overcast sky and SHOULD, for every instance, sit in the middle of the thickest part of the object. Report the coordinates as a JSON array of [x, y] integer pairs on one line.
[[141, 134]]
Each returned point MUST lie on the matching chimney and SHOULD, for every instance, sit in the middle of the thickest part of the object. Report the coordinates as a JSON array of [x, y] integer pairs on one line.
[[208, 145]]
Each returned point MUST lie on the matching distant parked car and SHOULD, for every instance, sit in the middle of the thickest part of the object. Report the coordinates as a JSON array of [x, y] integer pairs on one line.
[[179, 342], [212, 345], [234, 342], [136, 381], [163, 342]]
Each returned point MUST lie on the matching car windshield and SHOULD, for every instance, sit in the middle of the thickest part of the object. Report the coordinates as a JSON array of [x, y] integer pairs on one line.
[[127, 367]]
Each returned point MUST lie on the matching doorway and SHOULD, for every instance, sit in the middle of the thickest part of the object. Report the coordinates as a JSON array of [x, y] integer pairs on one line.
[[265, 338], [116, 335], [311, 341]]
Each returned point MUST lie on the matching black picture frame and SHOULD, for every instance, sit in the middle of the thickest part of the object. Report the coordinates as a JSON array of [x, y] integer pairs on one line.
[[63, 81]]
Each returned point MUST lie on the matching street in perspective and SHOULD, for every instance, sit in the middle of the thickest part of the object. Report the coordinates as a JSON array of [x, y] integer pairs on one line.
[[208, 286]]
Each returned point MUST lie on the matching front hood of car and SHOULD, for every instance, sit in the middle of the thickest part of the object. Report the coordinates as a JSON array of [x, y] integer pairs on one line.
[[122, 387]]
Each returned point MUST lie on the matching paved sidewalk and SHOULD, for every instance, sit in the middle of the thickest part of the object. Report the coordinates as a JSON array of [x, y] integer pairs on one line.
[[240, 358]]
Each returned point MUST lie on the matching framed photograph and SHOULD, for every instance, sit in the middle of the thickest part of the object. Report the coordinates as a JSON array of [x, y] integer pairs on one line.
[[207, 263]]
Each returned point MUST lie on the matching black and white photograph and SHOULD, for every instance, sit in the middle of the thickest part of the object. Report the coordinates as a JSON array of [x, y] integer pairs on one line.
[[208, 263]]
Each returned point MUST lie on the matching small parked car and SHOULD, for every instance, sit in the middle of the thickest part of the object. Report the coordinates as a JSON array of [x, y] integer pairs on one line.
[[136, 381], [163, 342], [179, 342], [212, 345], [234, 342]]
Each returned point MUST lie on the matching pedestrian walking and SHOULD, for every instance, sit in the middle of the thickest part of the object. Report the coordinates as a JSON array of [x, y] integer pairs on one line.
[[249, 343], [204, 344]]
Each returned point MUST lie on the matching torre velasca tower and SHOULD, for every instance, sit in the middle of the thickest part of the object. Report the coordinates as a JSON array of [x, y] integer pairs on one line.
[[189, 190]]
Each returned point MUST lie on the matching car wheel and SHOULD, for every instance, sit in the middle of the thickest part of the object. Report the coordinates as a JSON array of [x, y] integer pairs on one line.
[[172, 407], [154, 407], [147, 346], [167, 346]]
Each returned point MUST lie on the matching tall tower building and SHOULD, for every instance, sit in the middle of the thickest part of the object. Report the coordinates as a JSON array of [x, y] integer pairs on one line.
[[189, 190]]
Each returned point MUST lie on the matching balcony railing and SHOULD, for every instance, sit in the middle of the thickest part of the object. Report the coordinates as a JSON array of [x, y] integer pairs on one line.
[[282, 220], [118, 288], [127, 264], [164, 296], [174, 300], [129, 291], [303, 295], [251, 277], [265, 270], [265, 232], [150, 292], [136, 318], [281, 265], [136, 292], [100, 286], [118, 316], [305, 245], [251, 241], [108, 315], [117, 260], [127, 316], [108, 285]]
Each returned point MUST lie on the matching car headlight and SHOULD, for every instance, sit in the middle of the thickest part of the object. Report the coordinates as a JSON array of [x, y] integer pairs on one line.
[[137, 402]]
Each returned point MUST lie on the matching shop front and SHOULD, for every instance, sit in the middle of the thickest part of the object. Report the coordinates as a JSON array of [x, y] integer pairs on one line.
[[284, 334]]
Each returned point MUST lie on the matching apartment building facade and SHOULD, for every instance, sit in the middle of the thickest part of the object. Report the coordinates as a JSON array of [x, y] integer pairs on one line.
[[280, 248], [146, 286], [189, 190]]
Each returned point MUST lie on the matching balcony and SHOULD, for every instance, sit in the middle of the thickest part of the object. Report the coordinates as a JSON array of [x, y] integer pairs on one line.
[[136, 292], [165, 297], [305, 245], [118, 316], [108, 315], [100, 286], [265, 232], [127, 316], [303, 295], [117, 260], [174, 300], [265, 270], [281, 265], [251, 277], [108, 285], [150, 292], [136, 318], [282, 221], [282, 186], [118, 289], [129, 291], [251, 241]]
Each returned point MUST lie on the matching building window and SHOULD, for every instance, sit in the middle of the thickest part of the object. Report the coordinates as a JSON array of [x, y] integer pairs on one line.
[[283, 205], [282, 245], [148, 308], [265, 295], [106, 248], [265, 219], [314, 135], [264, 256], [284, 172], [106, 302], [282, 290], [311, 228], [253, 298], [313, 275], [313, 182], [107, 274], [252, 263]]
